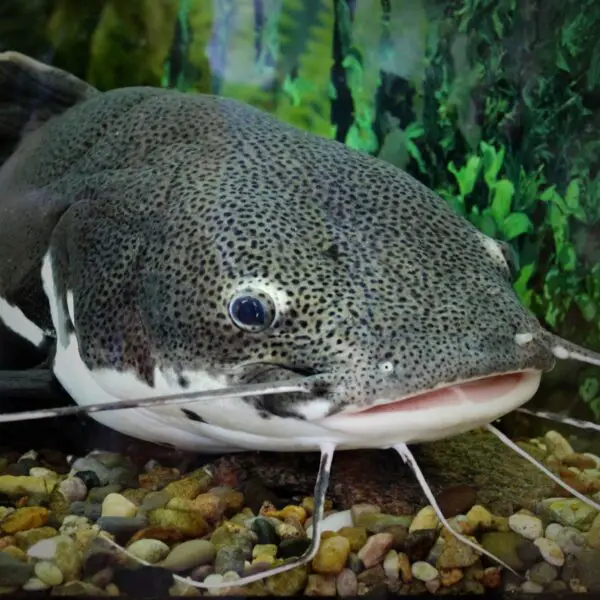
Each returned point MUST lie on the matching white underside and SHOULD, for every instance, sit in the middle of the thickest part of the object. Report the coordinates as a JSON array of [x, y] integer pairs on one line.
[[14, 318], [236, 425]]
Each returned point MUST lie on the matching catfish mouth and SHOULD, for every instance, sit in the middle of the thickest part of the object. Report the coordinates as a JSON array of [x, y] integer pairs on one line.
[[472, 391]]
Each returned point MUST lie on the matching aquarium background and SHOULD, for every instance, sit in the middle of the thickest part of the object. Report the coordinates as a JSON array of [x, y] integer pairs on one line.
[[492, 103]]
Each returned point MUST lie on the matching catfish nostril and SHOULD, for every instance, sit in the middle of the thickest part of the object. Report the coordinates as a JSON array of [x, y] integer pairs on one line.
[[386, 367]]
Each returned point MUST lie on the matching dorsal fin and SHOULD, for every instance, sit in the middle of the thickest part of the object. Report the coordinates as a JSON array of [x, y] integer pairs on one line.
[[31, 92]]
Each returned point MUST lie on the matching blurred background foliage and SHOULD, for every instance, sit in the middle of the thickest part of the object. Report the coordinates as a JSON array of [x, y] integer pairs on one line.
[[492, 103]]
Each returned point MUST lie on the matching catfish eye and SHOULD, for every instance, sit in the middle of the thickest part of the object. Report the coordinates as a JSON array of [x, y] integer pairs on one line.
[[252, 311]]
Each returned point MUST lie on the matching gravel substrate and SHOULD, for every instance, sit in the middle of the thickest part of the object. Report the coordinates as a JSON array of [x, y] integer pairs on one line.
[[57, 513]]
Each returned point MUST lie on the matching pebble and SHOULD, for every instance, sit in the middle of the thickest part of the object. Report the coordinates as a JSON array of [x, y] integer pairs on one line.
[[372, 576], [550, 551], [35, 585], [480, 517], [423, 571], [73, 489], [149, 550], [89, 479], [332, 555], [404, 567], [375, 549], [418, 543], [48, 573], [531, 587], [144, 581], [456, 554], [360, 509], [265, 531], [22, 519], [88, 463], [456, 500], [13, 572], [571, 512], [527, 526], [121, 525], [528, 552], [391, 566], [593, 535], [426, 518], [320, 585], [542, 573], [557, 445], [570, 540], [505, 546], [297, 547], [334, 522], [116, 505], [229, 558], [346, 583], [189, 555], [553, 531], [290, 583]]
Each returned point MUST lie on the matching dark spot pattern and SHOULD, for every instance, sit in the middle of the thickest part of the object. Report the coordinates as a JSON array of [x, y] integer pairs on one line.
[[165, 205]]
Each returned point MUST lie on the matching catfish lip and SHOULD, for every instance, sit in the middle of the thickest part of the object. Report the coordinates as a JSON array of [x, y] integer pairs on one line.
[[471, 391]]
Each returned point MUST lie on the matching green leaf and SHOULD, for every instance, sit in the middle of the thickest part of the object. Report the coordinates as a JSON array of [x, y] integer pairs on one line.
[[587, 306], [595, 407], [558, 224], [567, 257], [492, 162], [466, 177], [572, 195], [502, 199], [516, 224], [589, 388]]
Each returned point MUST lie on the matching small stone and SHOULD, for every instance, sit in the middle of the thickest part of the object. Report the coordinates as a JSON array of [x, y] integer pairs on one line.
[[332, 555], [73, 489], [189, 555], [151, 551], [346, 583], [570, 540], [289, 583], [553, 531], [380, 522], [355, 564], [542, 573], [116, 505], [529, 553], [230, 559], [551, 551], [190, 486], [426, 518], [25, 518], [433, 585], [587, 569], [556, 587], [480, 518], [526, 526], [77, 588], [97, 495], [17, 486], [320, 585], [580, 461], [423, 571], [287, 531], [530, 587], [391, 567], [334, 522], [265, 531], [48, 573], [418, 543], [187, 522], [89, 479], [34, 585], [295, 547], [202, 572], [456, 554], [449, 577], [89, 463], [372, 576], [158, 477], [504, 545], [121, 525], [164, 534], [13, 572], [358, 510], [234, 499], [456, 500], [492, 577], [375, 549], [26, 539], [154, 500], [404, 567], [558, 445], [67, 557], [571, 512]]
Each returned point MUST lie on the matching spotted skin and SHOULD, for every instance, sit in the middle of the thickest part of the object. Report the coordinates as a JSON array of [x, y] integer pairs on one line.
[[159, 207]]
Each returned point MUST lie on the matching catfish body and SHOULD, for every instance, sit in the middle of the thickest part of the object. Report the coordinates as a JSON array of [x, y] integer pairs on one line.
[[160, 214]]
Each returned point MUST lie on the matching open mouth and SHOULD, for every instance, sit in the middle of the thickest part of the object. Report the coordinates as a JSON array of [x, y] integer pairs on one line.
[[469, 392]]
